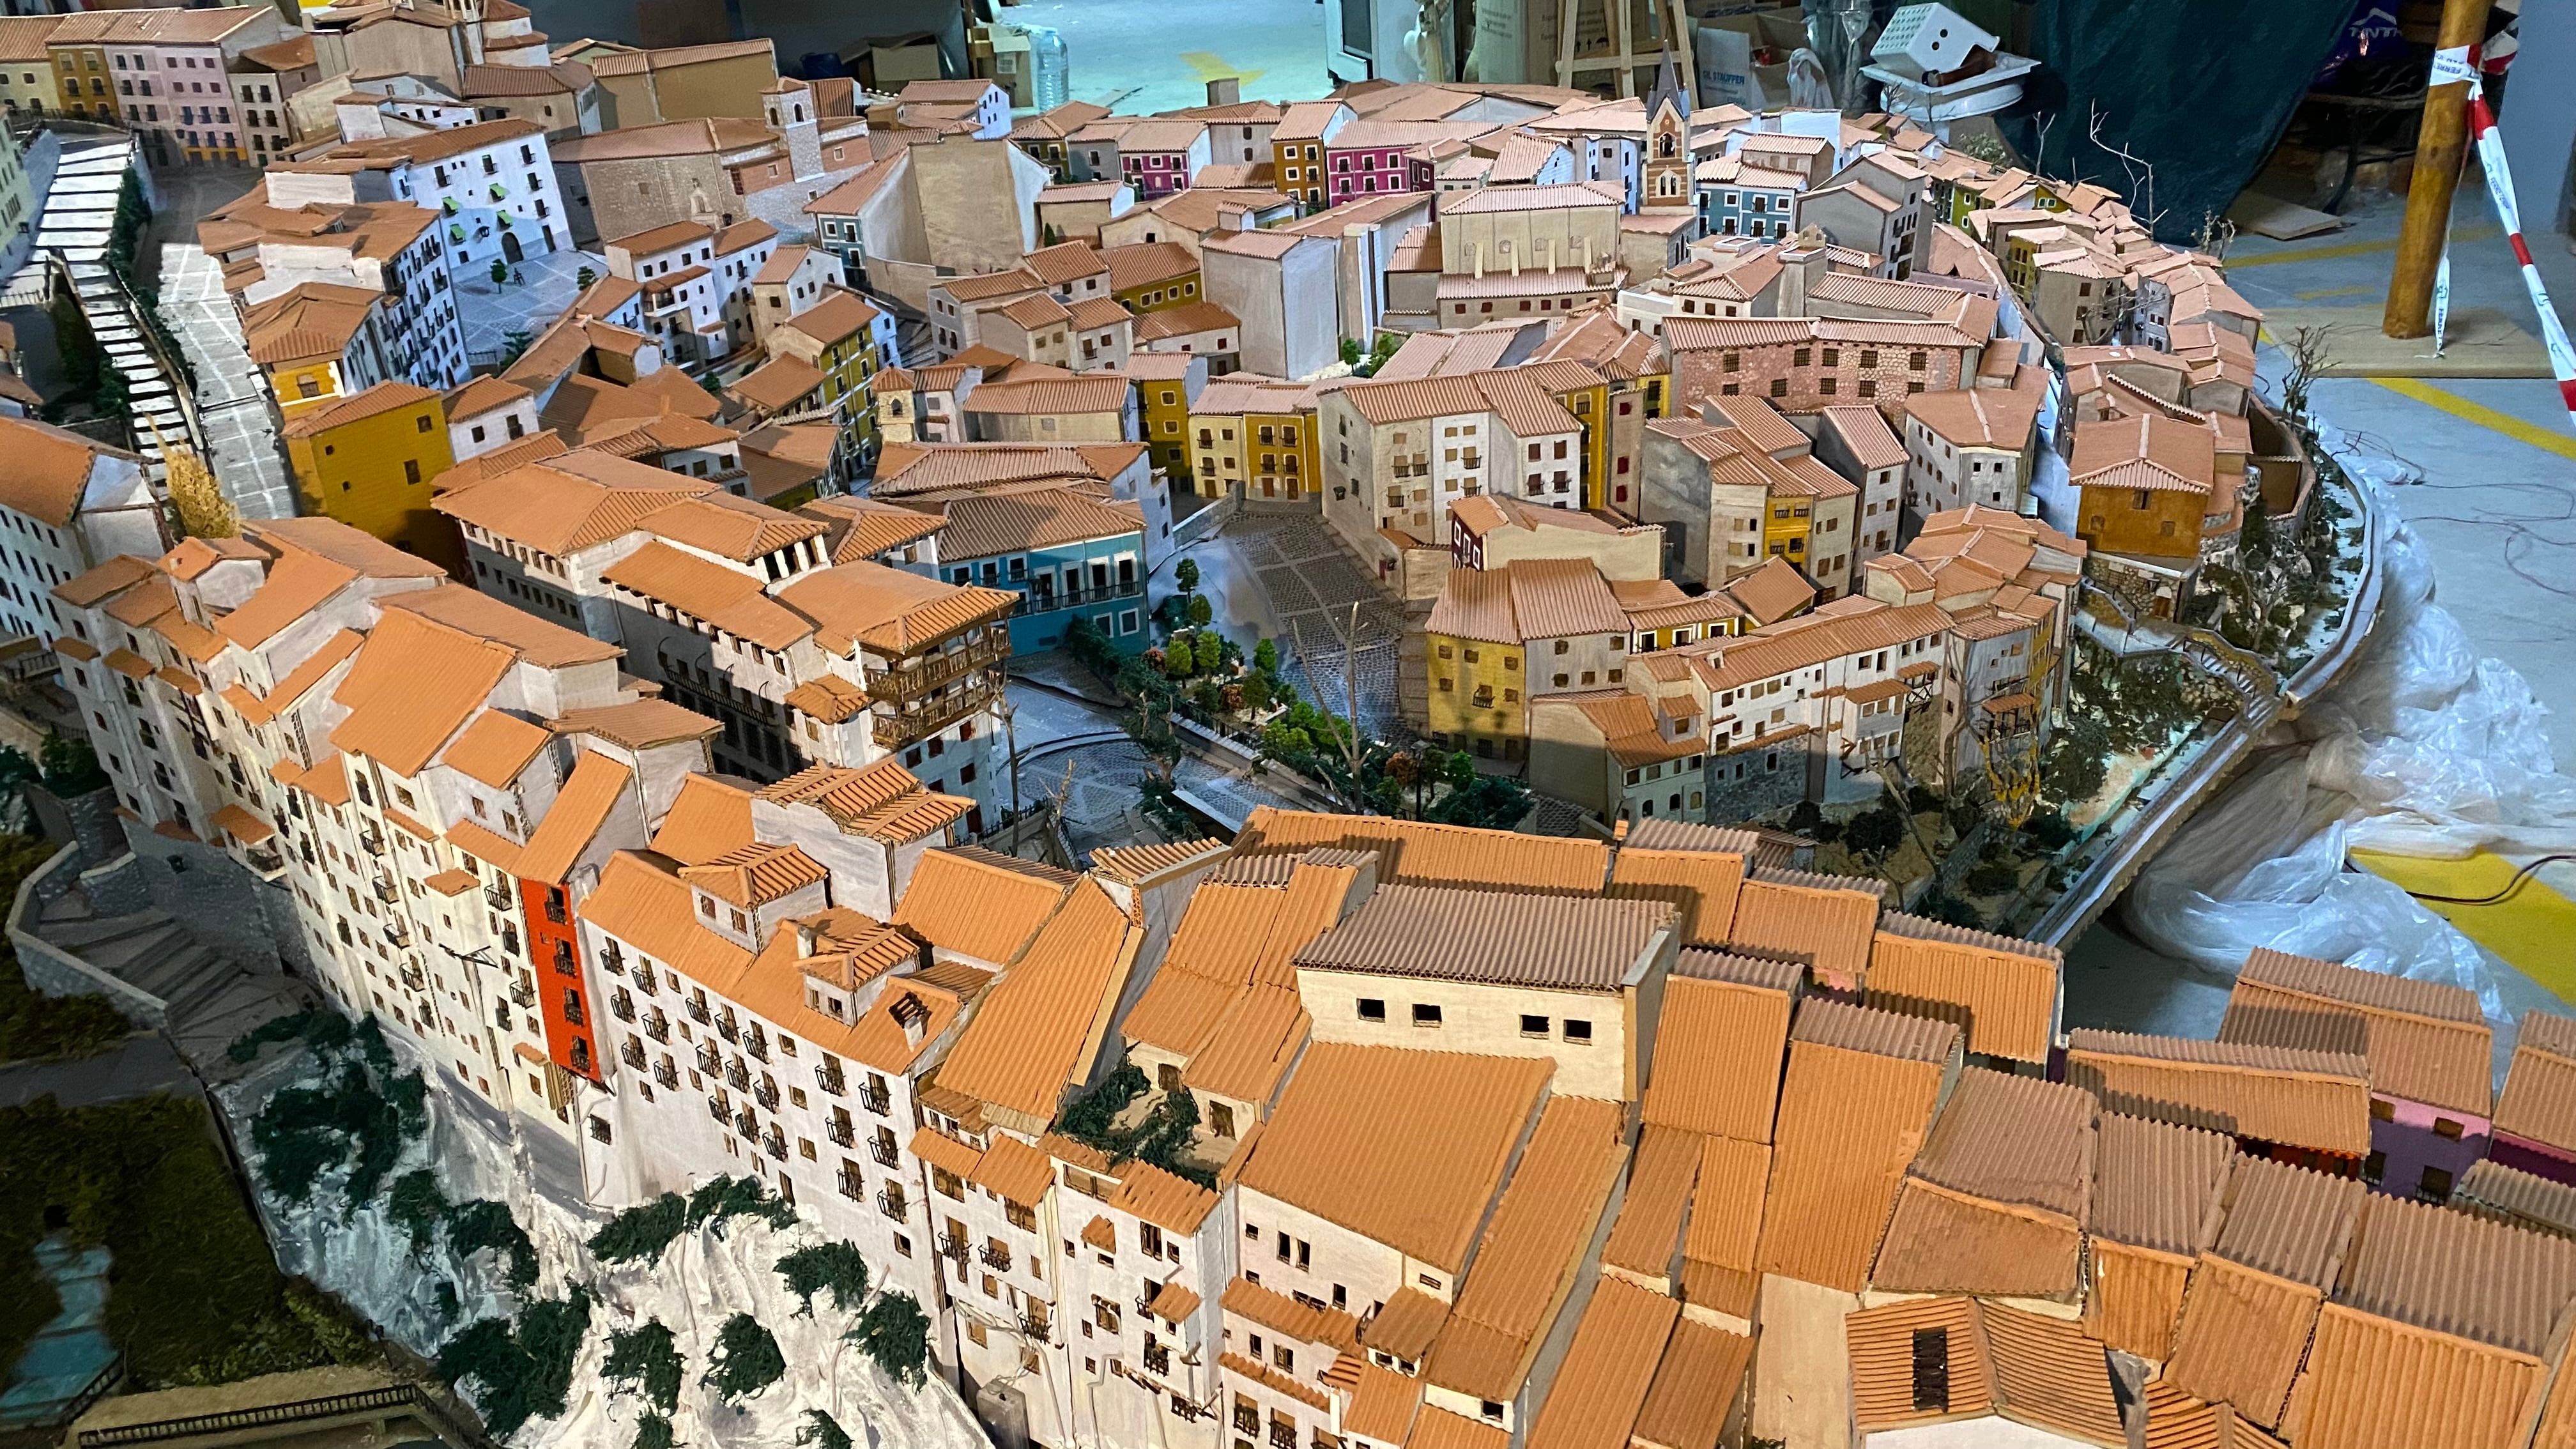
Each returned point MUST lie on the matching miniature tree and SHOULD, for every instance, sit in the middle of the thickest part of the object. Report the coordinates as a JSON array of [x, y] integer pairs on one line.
[[653, 1431], [417, 1206], [724, 1198], [745, 1360], [822, 1431], [1201, 611], [641, 1232], [1265, 657], [1186, 574], [836, 1266], [1874, 834], [1211, 650], [483, 1223], [585, 279], [500, 272], [896, 1334], [649, 1359]]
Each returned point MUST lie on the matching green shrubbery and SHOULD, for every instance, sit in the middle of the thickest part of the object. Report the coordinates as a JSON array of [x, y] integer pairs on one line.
[[745, 1360], [197, 1298], [838, 1267], [519, 1371], [358, 1117], [647, 1358], [639, 1234]]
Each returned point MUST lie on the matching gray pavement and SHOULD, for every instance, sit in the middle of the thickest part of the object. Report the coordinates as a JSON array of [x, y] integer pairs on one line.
[[140, 1065], [543, 290], [232, 399], [1279, 576], [1098, 780]]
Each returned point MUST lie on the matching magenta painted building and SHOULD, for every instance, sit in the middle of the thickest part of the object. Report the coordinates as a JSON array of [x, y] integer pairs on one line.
[[1162, 155], [2535, 1119]]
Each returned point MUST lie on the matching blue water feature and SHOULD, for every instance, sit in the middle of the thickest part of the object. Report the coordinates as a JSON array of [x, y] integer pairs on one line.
[[70, 1351]]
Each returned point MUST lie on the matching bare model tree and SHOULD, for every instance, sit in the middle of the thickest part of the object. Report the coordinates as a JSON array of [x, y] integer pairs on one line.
[[2142, 173], [1349, 742], [2308, 350]]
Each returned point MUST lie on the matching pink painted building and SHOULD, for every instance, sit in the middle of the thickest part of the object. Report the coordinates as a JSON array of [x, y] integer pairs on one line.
[[2535, 1119], [1374, 158], [1161, 155], [2430, 1055]]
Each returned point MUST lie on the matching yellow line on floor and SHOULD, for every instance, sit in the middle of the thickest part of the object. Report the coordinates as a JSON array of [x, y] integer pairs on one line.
[[2548, 440], [2528, 928], [2349, 249]]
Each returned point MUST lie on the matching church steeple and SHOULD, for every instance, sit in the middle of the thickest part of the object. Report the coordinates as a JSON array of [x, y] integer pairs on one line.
[[1667, 163]]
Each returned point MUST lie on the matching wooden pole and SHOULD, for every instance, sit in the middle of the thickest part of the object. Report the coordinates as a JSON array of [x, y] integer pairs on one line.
[[2439, 147]]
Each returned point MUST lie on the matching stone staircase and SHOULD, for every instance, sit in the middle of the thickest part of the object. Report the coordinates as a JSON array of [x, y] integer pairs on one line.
[[78, 213], [2256, 685], [212, 999]]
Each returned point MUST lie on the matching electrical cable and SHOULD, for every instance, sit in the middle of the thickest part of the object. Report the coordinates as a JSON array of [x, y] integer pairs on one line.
[[2510, 886]]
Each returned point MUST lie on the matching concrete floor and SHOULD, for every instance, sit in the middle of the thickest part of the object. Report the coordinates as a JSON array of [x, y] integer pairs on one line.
[[2496, 509], [1146, 55]]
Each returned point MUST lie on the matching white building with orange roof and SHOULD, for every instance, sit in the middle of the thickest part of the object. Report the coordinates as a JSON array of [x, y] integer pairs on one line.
[[748, 620], [697, 284], [70, 503]]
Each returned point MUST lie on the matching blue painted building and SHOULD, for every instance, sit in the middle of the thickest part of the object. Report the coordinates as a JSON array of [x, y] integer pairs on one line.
[[1067, 554], [1736, 199]]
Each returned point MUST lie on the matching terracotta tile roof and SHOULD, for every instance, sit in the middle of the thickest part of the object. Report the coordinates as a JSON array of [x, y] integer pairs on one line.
[[883, 801], [494, 748], [1423, 853], [1822, 920], [1146, 264], [752, 875], [1437, 1428], [1383, 1406], [570, 502], [1531, 1251], [982, 525], [574, 820], [2049, 1375], [1554, 942], [84, 590], [1172, 1303], [1170, 1202], [1404, 1147], [1883, 1344], [2539, 1099], [1851, 1119], [649, 909], [2149, 451], [1695, 1388], [1702, 883], [2454, 1273], [1719, 1048], [2004, 993], [2134, 1296], [1277, 1382], [2274, 1094], [778, 384], [2156, 1183], [2253, 1298], [2426, 1042], [1600, 1386], [1251, 1045], [723, 598], [1996, 1203], [638, 724], [893, 613], [1721, 1243], [2515, 1196], [411, 687], [1647, 1239], [1014, 1170], [864, 528], [2370, 1381], [1407, 1326], [1281, 1314], [1035, 1033], [1828, 1022], [959, 903]]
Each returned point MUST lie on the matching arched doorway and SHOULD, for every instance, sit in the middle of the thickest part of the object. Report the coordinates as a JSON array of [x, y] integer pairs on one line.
[[510, 247]]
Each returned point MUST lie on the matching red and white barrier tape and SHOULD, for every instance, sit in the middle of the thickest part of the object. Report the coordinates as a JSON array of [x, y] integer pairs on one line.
[[2460, 64]]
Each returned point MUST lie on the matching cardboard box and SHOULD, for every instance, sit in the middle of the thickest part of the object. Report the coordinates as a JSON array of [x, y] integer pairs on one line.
[[1743, 59]]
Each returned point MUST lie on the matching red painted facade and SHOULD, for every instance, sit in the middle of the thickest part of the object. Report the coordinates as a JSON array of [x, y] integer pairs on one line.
[[563, 998]]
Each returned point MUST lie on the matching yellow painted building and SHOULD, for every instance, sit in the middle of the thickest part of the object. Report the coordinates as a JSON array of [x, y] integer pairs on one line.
[[838, 337], [1476, 694], [82, 78], [1167, 386], [1150, 276], [1257, 434], [368, 461]]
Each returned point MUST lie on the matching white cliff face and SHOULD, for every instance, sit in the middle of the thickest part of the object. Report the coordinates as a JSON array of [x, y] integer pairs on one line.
[[702, 1279]]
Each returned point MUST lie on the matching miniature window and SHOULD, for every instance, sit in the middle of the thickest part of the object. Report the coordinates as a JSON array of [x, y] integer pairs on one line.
[[1533, 1025], [1372, 1009], [1425, 1014], [1578, 1032]]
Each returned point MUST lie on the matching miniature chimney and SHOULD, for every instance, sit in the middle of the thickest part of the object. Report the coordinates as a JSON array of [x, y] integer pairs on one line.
[[805, 934], [1225, 90]]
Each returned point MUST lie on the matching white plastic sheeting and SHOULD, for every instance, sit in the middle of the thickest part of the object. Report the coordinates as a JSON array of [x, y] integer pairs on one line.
[[702, 1279], [2421, 748]]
